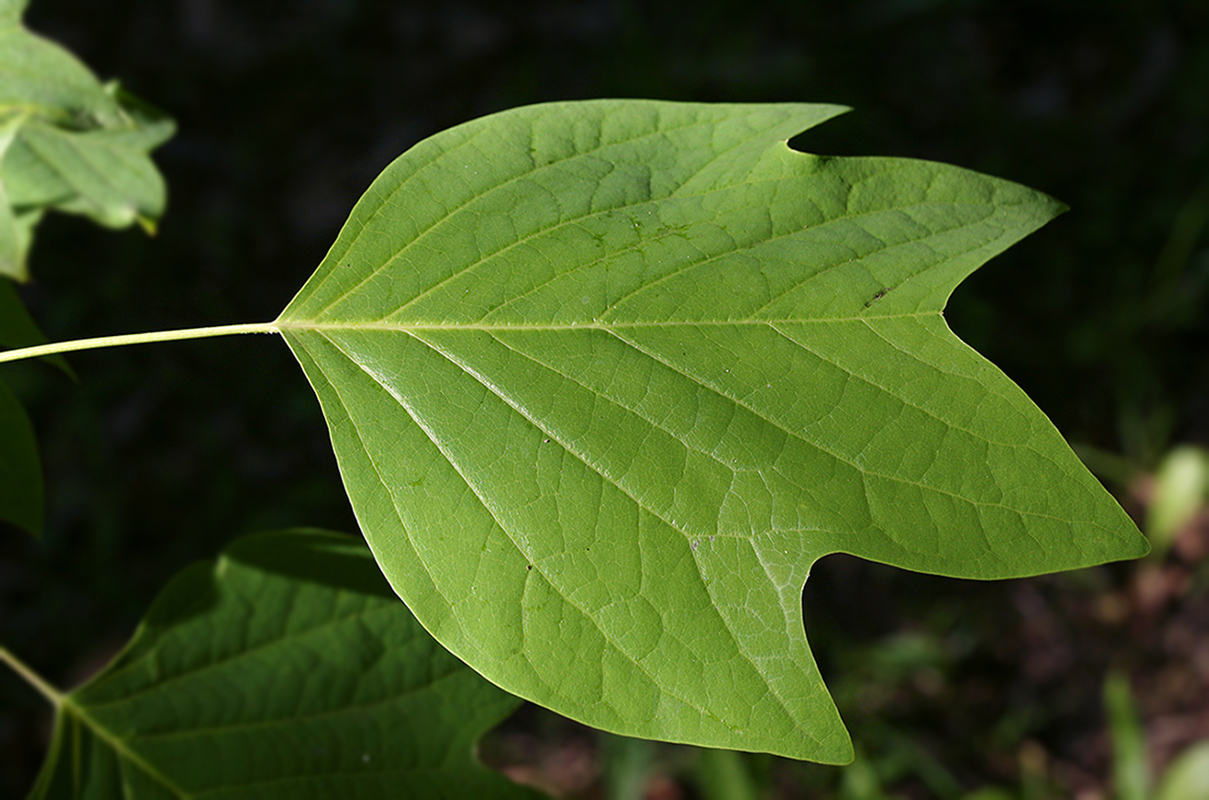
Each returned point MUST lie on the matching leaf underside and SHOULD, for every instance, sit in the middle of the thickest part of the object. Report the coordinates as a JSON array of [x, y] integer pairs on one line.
[[287, 669], [605, 379]]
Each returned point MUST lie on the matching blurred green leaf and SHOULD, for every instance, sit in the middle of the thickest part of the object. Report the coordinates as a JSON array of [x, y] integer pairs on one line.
[[627, 764], [1131, 775], [1181, 486], [605, 379], [286, 669], [991, 793], [1187, 777], [724, 775], [68, 143], [860, 781]]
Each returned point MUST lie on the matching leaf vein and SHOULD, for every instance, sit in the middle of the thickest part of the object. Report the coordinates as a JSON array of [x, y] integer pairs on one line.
[[470, 201], [584, 459], [487, 506]]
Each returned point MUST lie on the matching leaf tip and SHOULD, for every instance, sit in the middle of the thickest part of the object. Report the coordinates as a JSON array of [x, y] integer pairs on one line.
[[149, 225], [1055, 206], [842, 751], [1141, 547]]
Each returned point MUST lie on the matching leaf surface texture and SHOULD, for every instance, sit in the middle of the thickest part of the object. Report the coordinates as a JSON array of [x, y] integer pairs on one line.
[[286, 669], [605, 379]]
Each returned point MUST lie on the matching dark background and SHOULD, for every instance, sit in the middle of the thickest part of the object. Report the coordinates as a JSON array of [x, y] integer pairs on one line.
[[286, 112]]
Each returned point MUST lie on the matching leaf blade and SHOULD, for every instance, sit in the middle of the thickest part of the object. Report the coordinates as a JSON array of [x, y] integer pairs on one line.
[[285, 669], [630, 368]]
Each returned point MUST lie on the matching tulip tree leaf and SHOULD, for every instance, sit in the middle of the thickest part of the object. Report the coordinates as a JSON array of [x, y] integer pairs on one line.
[[605, 379], [286, 669], [68, 143]]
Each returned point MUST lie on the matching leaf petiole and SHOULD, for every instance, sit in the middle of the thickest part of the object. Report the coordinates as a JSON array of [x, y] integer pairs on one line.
[[40, 350], [32, 678]]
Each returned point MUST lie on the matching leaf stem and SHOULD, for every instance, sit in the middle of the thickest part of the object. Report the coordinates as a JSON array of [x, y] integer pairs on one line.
[[135, 338], [32, 678]]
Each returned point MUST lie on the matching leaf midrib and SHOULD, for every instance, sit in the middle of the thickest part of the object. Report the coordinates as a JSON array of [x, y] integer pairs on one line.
[[70, 706], [408, 327], [271, 722], [82, 711], [282, 640], [321, 329]]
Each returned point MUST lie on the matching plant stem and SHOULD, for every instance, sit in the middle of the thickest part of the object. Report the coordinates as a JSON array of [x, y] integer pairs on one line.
[[32, 678], [135, 338]]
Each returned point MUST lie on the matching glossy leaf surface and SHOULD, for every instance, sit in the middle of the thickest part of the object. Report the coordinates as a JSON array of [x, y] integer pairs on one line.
[[605, 379], [287, 669], [68, 143]]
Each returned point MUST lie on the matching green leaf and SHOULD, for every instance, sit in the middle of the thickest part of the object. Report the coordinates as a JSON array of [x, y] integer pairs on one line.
[[16, 228], [1130, 762], [1181, 488], [21, 501], [286, 669], [11, 10], [605, 379], [1188, 775], [69, 143]]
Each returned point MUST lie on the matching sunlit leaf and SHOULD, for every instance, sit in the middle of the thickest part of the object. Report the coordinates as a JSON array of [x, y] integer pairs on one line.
[[605, 379], [68, 143], [285, 670]]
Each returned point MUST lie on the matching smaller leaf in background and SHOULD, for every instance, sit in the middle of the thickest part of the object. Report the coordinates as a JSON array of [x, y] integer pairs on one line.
[[69, 143], [286, 669], [20, 467], [861, 781], [16, 229], [1131, 776], [1188, 775], [1181, 487], [724, 775]]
